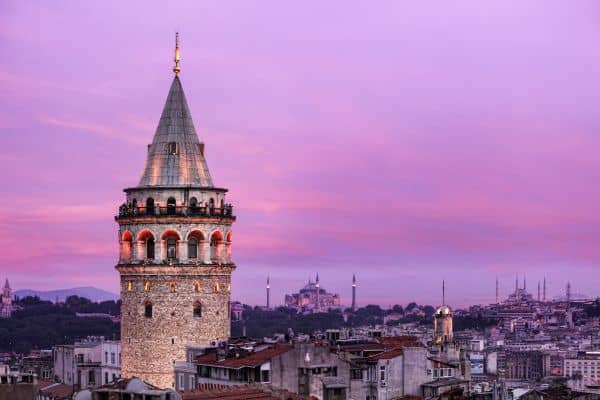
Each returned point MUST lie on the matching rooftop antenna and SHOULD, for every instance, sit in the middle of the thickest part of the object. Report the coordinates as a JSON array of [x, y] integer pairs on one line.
[[443, 292]]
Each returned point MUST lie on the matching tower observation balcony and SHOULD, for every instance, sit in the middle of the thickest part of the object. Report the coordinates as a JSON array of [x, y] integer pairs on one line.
[[126, 211]]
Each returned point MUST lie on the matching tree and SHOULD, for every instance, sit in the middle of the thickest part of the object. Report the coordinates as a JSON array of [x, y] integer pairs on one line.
[[398, 309]]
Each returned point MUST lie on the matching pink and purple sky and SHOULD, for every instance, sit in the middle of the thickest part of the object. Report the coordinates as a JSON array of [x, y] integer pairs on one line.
[[404, 142]]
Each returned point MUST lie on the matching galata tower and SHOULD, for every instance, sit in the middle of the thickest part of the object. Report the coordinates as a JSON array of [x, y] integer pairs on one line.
[[175, 250]]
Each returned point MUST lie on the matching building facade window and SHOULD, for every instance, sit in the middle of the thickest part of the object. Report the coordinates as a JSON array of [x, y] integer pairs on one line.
[[171, 206], [171, 248], [264, 376], [197, 310], [147, 286], [193, 248], [150, 249], [148, 310], [149, 205], [194, 205]]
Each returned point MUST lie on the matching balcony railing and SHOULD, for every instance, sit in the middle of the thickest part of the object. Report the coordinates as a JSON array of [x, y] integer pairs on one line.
[[225, 212]]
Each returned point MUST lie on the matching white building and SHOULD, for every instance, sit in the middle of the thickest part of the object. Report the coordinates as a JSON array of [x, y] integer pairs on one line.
[[89, 363], [583, 371]]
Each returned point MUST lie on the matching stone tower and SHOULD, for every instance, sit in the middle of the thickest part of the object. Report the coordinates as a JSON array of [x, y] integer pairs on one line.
[[175, 250], [442, 322]]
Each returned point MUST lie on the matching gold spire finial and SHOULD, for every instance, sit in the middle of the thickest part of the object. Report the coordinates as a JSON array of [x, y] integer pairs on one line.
[[176, 68]]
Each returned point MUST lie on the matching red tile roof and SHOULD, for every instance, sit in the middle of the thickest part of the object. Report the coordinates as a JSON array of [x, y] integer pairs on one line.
[[245, 392], [58, 391], [42, 384], [394, 342], [387, 355], [394, 345], [251, 360]]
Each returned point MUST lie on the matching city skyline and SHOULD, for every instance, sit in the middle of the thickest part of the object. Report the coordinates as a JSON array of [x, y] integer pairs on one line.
[[452, 154]]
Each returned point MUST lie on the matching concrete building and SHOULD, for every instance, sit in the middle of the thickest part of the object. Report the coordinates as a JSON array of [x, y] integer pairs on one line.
[[39, 363], [524, 365], [395, 373], [175, 250], [133, 389], [237, 311], [87, 364], [380, 368], [583, 372], [16, 385]]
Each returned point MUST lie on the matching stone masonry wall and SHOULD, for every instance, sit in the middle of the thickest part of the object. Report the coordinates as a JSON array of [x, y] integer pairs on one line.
[[151, 345]]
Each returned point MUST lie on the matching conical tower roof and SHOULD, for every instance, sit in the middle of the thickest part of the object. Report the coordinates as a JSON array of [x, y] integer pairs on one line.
[[6, 284], [176, 156]]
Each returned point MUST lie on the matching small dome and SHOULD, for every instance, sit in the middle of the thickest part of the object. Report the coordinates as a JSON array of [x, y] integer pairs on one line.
[[443, 310]]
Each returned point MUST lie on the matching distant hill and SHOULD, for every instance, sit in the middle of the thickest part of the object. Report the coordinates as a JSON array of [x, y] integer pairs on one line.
[[89, 292]]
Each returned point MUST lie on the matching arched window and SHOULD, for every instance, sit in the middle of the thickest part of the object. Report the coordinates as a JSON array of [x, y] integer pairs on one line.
[[147, 286], [171, 248], [211, 205], [134, 204], [148, 310], [217, 287], [216, 240], [196, 286], [194, 205], [197, 310], [126, 247], [173, 287], [171, 206], [193, 248], [149, 205], [129, 286], [150, 249], [195, 239], [171, 239]]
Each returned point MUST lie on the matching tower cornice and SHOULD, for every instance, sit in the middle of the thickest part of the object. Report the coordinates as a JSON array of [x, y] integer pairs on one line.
[[181, 269], [175, 219]]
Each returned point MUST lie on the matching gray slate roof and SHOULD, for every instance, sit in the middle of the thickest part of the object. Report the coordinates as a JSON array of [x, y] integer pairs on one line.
[[187, 165]]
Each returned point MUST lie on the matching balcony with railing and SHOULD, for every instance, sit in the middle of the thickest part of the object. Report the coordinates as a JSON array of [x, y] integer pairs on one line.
[[226, 211]]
